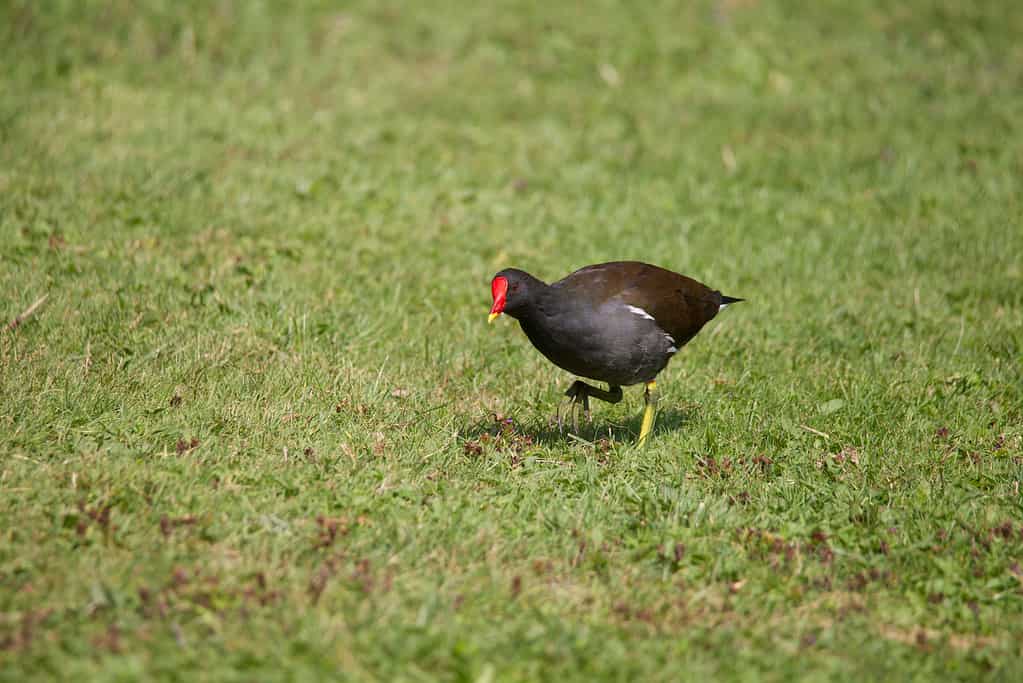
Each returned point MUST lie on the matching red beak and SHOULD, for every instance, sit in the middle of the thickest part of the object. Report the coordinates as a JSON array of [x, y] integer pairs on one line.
[[499, 288]]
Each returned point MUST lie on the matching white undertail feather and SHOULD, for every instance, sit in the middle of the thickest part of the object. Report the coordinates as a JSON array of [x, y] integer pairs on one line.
[[671, 340]]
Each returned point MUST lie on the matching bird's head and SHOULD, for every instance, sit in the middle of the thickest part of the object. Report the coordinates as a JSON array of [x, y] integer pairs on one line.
[[512, 289]]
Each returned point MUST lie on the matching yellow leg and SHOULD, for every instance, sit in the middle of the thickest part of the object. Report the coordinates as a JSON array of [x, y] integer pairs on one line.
[[650, 397]]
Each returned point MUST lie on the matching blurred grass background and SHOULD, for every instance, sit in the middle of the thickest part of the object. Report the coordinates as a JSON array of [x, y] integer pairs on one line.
[[250, 434]]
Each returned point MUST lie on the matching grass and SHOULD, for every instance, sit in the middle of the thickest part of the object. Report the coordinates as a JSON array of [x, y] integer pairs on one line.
[[250, 435]]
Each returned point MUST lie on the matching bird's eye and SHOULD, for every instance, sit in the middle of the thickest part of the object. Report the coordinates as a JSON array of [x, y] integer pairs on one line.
[[515, 288]]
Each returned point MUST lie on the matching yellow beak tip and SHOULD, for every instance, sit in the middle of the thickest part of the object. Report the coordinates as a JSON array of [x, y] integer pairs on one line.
[[492, 317]]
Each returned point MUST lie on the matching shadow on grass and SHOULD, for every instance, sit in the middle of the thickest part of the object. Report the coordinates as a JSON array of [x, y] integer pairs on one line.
[[506, 432]]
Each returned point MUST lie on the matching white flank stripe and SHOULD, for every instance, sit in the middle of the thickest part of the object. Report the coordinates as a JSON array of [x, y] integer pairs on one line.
[[639, 311], [672, 350]]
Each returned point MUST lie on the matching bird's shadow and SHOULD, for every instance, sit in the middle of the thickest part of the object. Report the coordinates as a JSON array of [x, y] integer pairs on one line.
[[503, 430]]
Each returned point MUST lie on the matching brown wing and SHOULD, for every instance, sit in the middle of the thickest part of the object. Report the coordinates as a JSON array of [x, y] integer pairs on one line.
[[680, 305]]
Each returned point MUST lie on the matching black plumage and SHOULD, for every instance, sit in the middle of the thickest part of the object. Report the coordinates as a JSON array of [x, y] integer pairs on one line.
[[618, 322]]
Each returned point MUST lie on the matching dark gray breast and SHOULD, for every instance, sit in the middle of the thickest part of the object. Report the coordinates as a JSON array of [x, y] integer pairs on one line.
[[608, 341]]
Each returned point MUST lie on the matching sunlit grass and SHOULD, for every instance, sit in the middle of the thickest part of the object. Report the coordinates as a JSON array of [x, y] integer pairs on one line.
[[260, 429]]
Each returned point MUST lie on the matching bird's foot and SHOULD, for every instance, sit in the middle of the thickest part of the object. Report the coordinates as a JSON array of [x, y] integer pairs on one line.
[[578, 399]]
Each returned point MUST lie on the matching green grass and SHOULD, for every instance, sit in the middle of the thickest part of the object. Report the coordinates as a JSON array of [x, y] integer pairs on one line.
[[250, 434]]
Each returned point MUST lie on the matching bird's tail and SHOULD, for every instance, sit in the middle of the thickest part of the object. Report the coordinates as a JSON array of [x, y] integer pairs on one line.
[[725, 300]]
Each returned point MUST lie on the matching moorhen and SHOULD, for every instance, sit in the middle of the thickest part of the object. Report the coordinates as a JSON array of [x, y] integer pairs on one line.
[[617, 322]]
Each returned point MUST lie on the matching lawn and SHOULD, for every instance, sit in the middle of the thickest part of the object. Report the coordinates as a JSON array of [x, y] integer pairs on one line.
[[259, 429]]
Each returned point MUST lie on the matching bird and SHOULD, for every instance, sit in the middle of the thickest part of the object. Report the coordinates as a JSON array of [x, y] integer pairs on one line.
[[618, 323]]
